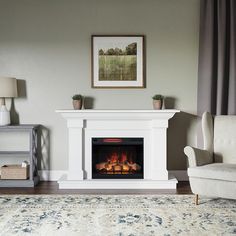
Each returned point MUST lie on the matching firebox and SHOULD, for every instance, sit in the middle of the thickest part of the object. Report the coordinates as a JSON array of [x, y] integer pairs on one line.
[[117, 158]]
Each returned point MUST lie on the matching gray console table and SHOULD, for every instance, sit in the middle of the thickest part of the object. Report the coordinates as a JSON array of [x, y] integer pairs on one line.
[[30, 154]]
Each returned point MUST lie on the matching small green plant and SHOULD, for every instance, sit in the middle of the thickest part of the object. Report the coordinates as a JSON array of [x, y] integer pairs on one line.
[[157, 97], [77, 97]]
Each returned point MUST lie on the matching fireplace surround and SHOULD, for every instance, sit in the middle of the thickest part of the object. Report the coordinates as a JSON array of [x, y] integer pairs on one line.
[[88, 128]]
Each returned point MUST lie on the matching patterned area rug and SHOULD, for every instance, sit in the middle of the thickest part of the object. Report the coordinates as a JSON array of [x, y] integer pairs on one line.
[[115, 215]]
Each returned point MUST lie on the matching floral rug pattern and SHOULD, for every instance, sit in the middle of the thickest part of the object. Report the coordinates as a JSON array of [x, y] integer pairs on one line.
[[115, 215]]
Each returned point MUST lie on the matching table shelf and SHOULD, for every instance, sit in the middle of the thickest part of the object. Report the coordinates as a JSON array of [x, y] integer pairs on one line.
[[19, 182], [31, 155], [15, 153]]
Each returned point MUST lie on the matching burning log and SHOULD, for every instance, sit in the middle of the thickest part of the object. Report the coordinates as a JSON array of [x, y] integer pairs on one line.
[[117, 168], [109, 167], [101, 165], [125, 167], [134, 166]]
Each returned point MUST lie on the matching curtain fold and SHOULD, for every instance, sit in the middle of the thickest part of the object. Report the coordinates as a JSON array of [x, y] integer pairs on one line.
[[217, 57]]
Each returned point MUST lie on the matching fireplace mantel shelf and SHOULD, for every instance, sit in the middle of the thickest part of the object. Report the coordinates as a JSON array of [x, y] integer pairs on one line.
[[116, 111], [151, 125], [121, 114]]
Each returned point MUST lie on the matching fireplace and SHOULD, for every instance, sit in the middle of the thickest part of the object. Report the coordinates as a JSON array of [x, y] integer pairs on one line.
[[117, 149], [117, 158]]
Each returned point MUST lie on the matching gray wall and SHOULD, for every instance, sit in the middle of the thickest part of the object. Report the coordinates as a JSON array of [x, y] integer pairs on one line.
[[46, 44]]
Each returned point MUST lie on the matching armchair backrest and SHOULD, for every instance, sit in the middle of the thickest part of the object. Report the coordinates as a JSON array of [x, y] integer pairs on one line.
[[219, 135]]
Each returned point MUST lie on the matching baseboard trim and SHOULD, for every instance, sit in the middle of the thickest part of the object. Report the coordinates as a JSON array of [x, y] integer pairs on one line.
[[55, 175], [51, 175]]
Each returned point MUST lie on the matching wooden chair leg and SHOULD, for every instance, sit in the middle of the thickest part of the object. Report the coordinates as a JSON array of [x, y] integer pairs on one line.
[[196, 199]]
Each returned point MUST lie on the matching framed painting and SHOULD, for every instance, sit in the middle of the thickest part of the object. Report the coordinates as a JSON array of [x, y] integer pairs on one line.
[[118, 61]]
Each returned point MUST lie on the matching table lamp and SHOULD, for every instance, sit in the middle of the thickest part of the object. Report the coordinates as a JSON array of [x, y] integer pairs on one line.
[[8, 89]]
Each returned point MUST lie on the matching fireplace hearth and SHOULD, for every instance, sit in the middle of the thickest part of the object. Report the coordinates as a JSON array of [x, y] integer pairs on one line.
[[117, 158]]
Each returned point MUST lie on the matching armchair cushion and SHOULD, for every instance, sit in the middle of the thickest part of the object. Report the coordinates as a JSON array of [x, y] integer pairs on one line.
[[220, 171], [225, 139]]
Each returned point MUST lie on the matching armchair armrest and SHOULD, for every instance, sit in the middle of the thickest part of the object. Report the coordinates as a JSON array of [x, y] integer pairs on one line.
[[197, 157]]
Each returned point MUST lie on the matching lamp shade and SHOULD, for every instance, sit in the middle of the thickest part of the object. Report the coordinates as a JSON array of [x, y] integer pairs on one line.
[[8, 87]]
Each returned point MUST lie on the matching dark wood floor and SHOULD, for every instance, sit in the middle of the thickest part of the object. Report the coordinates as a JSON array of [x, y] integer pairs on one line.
[[51, 187]]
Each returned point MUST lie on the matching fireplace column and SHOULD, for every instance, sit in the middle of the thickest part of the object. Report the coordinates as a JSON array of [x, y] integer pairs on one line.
[[75, 127], [159, 152]]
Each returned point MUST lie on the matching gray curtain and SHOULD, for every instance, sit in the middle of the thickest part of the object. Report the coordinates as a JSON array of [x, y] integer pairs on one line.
[[217, 57]]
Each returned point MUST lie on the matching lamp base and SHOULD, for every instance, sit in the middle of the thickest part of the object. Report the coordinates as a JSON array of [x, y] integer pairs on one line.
[[4, 116]]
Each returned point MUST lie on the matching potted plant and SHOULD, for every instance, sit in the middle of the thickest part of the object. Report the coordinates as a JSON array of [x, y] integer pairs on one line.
[[77, 101], [157, 101]]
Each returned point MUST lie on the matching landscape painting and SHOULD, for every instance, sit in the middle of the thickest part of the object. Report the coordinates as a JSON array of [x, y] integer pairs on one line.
[[117, 61]]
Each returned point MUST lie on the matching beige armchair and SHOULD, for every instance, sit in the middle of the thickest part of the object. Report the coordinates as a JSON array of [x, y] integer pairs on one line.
[[212, 171]]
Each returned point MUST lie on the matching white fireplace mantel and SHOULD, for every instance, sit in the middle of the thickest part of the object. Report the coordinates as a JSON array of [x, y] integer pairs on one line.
[[151, 125]]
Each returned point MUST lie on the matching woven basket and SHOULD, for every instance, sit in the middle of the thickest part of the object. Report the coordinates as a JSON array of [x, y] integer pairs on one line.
[[14, 172]]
